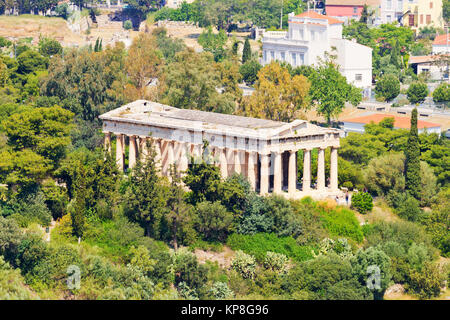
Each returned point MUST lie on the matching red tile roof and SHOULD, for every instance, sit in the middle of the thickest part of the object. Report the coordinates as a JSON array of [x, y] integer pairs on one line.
[[399, 122], [315, 15], [440, 40]]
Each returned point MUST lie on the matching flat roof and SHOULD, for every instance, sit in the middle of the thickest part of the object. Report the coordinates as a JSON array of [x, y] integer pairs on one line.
[[399, 122], [314, 15]]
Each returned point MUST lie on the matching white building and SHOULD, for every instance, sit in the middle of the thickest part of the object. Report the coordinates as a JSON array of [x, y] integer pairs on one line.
[[309, 37], [176, 3], [391, 10], [441, 44]]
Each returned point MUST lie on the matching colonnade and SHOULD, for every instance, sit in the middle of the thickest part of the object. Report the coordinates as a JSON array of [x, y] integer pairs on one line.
[[271, 171]]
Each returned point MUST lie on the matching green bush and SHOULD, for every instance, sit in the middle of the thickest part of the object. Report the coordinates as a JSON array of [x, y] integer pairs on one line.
[[417, 92], [342, 223], [362, 201], [259, 244], [245, 264], [127, 25]]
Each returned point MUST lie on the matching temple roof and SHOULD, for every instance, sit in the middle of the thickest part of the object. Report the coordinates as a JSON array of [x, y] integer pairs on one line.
[[153, 113]]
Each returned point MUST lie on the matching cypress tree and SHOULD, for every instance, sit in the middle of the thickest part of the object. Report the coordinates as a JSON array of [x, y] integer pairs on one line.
[[247, 52], [412, 154], [395, 52]]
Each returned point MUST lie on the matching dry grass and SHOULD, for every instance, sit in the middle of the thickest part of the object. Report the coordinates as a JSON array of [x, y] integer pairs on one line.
[[33, 26]]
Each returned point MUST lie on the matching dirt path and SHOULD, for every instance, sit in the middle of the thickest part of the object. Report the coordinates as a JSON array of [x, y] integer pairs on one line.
[[223, 258]]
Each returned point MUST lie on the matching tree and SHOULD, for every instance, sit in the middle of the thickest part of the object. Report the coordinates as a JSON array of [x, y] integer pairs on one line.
[[412, 161], [214, 43], [385, 173], [388, 87], [249, 71], [372, 262], [427, 282], [365, 14], [330, 91], [49, 47], [191, 82], [442, 94], [446, 9], [417, 92], [144, 62], [88, 83], [277, 96], [179, 216], [246, 52], [213, 221], [144, 201], [203, 181], [167, 45]]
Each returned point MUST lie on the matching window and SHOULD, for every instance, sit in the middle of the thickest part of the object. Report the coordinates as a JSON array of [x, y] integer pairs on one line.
[[431, 4], [355, 9], [428, 18], [400, 4], [302, 59], [265, 56], [294, 59], [358, 77], [389, 4], [272, 55], [388, 18], [421, 18], [313, 35], [283, 56]]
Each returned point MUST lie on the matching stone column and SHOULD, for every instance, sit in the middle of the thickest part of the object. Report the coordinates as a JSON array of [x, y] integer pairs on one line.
[[157, 144], [292, 176], [108, 141], [321, 169], [251, 169], [223, 162], [183, 157], [306, 170], [264, 176], [277, 173], [132, 152], [334, 169], [170, 157], [119, 151], [237, 161]]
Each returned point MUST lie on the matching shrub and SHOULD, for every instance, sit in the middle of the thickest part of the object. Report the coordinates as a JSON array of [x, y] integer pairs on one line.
[[245, 264], [388, 87], [220, 291], [417, 92], [213, 220], [442, 93], [276, 261], [342, 222], [362, 201], [259, 244], [127, 25], [409, 209], [426, 283]]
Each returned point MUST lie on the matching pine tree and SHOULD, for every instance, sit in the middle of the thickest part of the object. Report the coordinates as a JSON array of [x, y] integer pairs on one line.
[[179, 214], [364, 14], [412, 154], [144, 201], [247, 52]]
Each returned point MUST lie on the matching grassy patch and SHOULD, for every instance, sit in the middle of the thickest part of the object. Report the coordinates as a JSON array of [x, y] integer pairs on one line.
[[207, 246], [342, 222], [258, 244]]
